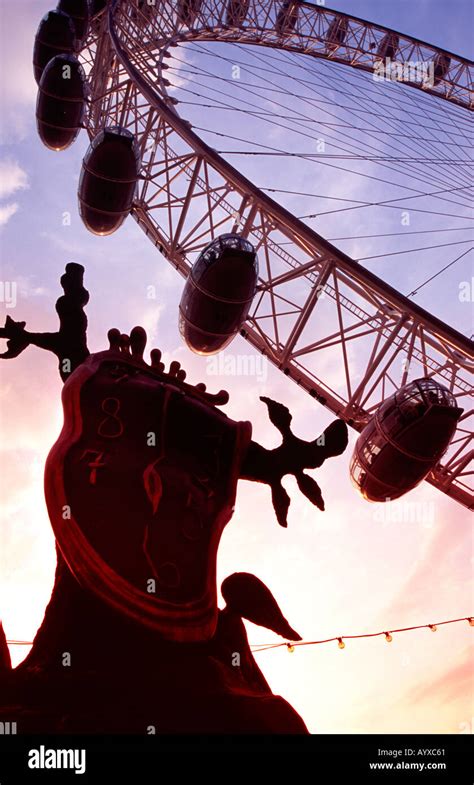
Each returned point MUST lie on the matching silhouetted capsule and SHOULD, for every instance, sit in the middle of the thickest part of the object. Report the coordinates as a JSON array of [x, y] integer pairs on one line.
[[218, 293], [337, 32], [404, 440], [144, 11], [388, 46], [108, 180], [441, 65], [286, 18], [236, 12], [61, 101], [79, 12], [56, 35], [96, 7], [188, 10]]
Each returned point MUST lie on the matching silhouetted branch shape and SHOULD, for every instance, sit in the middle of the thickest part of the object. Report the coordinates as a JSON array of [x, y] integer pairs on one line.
[[291, 457], [248, 597], [69, 344]]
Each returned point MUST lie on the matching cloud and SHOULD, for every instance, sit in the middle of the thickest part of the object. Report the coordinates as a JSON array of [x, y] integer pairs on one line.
[[447, 686], [12, 178], [17, 85], [57, 241], [179, 77], [6, 212], [439, 561]]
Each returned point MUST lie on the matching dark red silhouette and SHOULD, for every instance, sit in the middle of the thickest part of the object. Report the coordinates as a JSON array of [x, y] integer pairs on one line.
[[139, 487]]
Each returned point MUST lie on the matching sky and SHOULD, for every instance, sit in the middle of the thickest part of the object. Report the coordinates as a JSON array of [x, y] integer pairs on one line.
[[355, 568]]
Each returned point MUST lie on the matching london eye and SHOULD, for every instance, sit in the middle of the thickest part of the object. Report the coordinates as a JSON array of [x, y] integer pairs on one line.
[[358, 129]]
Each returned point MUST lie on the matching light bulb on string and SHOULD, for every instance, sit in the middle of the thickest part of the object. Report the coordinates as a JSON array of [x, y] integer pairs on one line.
[[291, 645]]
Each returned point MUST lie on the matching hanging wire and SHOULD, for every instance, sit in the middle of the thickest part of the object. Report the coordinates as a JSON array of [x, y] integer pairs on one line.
[[277, 87], [341, 638], [311, 82], [428, 280], [375, 127], [415, 250]]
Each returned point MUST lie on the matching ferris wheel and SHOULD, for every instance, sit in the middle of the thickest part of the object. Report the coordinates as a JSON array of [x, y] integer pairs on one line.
[[182, 98]]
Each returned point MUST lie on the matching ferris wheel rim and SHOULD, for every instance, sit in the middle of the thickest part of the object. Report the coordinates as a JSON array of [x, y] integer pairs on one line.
[[390, 30], [245, 186], [323, 11], [390, 325]]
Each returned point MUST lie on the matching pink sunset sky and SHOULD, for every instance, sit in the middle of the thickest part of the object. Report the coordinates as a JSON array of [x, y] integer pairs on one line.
[[354, 569]]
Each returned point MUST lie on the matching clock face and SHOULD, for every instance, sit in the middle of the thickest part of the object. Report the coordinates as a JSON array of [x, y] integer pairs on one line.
[[147, 472]]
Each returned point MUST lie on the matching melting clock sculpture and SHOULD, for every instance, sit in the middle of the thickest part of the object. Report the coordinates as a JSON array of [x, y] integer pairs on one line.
[[139, 487]]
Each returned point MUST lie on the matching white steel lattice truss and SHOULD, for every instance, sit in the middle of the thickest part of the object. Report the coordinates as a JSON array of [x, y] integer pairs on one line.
[[336, 329]]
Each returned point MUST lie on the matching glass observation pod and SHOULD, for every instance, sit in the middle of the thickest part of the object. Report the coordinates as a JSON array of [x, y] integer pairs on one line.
[[55, 35], [61, 102], [96, 7], [236, 12], [441, 66], [388, 47], [218, 294], [108, 181], [79, 11], [404, 440], [287, 18], [144, 10], [336, 34], [188, 10]]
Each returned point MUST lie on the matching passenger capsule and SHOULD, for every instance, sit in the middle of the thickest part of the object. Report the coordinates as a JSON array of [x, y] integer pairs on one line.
[[56, 35], [441, 66], [188, 10], [61, 101], [236, 12], [218, 293], [337, 31], [388, 47], [144, 11], [108, 180], [404, 440], [287, 18], [79, 12], [96, 7]]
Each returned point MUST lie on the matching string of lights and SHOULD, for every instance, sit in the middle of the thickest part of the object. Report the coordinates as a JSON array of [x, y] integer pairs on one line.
[[20, 643], [339, 638]]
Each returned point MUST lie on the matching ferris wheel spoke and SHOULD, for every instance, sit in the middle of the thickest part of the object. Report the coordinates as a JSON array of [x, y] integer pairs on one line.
[[282, 72], [343, 334]]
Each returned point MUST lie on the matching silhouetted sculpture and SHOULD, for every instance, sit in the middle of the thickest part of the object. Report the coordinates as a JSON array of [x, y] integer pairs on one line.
[[5, 659], [139, 487], [69, 344]]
